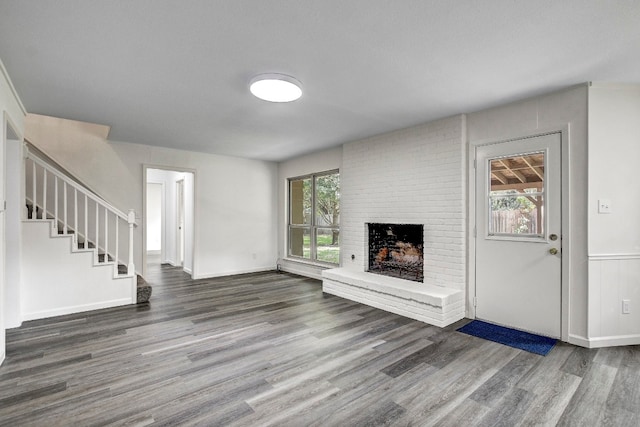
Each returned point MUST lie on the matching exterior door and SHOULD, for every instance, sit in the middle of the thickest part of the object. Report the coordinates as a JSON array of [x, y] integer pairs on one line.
[[518, 235]]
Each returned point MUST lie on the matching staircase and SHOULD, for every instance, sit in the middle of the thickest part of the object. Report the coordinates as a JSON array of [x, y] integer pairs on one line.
[[92, 227]]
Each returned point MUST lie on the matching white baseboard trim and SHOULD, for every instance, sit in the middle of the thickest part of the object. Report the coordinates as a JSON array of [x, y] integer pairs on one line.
[[306, 272], [231, 273], [614, 341], [154, 252], [2, 357], [578, 340], [302, 268], [75, 309]]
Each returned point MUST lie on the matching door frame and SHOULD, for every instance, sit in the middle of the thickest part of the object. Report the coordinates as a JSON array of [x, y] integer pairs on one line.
[[565, 207], [195, 239], [180, 219]]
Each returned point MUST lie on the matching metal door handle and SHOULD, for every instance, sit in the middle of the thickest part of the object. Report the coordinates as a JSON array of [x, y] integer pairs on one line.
[[553, 237], [553, 251]]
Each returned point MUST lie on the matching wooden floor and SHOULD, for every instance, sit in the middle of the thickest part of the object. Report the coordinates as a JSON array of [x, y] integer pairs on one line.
[[271, 349]]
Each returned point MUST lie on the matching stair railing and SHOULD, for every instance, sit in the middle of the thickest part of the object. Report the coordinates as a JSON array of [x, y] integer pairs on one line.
[[74, 210]]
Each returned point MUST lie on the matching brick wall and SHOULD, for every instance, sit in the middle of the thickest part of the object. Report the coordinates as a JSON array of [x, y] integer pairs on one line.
[[414, 176]]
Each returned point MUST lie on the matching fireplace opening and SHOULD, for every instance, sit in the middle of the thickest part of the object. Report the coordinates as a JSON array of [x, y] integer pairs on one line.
[[396, 250]]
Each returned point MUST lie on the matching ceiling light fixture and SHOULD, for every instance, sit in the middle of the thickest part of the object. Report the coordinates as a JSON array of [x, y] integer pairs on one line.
[[274, 87]]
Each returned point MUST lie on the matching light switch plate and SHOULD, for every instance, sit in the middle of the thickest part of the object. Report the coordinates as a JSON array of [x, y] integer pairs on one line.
[[604, 206]]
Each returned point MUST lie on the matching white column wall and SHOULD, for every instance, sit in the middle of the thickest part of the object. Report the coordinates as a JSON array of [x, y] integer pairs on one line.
[[12, 113], [614, 238], [13, 223]]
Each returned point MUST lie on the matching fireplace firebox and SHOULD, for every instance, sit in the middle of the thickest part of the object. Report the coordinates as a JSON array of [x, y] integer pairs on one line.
[[396, 250]]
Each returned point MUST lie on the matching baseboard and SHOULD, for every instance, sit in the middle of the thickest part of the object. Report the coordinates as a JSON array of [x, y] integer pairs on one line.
[[2, 357], [300, 268], [231, 273], [188, 270], [75, 309], [579, 341], [614, 341], [154, 252]]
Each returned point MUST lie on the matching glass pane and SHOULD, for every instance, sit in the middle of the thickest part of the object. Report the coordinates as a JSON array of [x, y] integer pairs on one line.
[[300, 242], [516, 198], [328, 245], [328, 200], [300, 201], [516, 214], [522, 172]]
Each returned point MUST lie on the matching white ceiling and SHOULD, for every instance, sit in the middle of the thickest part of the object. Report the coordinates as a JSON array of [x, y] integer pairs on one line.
[[175, 73]]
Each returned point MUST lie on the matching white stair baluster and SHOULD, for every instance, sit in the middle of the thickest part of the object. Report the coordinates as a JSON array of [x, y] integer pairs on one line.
[[64, 192], [34, 212], [75, 217], [86, 223], [44, 194], [97, 229], [55, 204], [106, 235], [117, 244]]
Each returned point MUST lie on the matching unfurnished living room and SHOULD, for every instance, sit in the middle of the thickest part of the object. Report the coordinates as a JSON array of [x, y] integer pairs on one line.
[[319, 213]]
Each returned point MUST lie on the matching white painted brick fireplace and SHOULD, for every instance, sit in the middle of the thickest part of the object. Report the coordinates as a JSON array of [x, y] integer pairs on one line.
[[412, 176]]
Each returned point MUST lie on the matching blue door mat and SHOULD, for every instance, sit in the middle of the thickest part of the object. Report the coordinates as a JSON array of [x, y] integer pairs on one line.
[[517, 339]]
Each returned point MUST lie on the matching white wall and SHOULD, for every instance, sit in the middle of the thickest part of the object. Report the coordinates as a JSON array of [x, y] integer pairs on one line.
[[235, 198], [553, 112], [614, 238], [12, 112], [325, 160], [56, 280], [15, 207], [414, 176], [154, 216]]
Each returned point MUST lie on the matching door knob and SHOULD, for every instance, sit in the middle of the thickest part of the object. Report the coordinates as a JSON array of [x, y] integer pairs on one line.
[[553, 251], [553, 237]]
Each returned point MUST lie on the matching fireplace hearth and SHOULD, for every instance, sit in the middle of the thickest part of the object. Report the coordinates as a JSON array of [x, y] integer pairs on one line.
[[396, 250]]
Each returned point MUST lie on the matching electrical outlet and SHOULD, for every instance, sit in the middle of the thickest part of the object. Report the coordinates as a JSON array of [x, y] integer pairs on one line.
[[604, 206], [626, 306]]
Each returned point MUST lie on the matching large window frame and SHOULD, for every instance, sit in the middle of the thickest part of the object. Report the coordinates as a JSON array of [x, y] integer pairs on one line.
[[305, 225]]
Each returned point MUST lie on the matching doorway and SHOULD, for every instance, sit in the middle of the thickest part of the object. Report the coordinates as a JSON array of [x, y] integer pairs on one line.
[[518, 251], [169, 217]]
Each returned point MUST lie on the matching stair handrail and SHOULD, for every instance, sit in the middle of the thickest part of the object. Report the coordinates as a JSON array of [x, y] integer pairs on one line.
[[81, 188], [129, 218], [42, 154]]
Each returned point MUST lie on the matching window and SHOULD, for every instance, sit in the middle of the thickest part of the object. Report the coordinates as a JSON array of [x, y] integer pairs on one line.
[[516, 196], [314, 217]]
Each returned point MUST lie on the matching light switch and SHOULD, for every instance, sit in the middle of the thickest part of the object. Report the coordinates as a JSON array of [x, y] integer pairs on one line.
[[604, 206]]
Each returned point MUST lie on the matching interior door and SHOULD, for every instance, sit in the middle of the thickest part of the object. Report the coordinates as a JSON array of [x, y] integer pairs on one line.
[[518, 234]]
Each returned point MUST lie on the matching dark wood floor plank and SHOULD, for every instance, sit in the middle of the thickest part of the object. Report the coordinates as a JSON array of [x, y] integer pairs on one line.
[[270, 348]]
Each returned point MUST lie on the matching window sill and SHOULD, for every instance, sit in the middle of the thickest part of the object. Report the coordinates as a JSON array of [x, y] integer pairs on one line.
[[324, 265]]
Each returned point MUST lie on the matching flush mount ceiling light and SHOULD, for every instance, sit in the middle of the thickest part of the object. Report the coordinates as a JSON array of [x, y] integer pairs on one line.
[[275, 87]]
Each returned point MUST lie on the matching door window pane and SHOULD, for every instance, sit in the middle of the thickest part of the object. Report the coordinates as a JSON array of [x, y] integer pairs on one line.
[[516, 196]]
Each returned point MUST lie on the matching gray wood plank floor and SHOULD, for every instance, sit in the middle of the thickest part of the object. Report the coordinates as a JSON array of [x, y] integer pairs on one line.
[[272, 349]]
